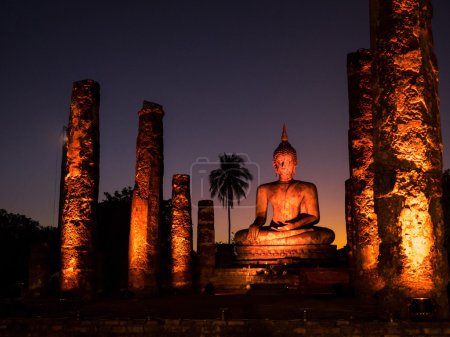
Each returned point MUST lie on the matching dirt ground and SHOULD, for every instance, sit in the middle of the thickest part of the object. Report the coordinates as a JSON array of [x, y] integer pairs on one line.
[[188, 306]]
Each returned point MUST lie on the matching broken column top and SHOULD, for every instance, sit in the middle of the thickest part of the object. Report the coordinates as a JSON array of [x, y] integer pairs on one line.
[[399, 26], [151, 107], [181, 179], [205, 203], [85, 81], [86, 88]]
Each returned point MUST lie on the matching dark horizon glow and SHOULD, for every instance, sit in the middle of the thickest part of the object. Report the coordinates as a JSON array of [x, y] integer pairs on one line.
[[228, 74]]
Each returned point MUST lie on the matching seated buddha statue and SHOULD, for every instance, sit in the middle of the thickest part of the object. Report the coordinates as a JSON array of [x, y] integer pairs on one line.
[[295, 207]]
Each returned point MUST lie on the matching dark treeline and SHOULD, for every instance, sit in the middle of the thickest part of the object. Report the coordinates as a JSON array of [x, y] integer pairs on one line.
[[18, 235], [111, 241], [24, 242]]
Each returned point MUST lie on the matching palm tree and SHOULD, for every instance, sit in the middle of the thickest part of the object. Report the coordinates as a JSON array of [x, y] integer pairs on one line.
[[229, 182]]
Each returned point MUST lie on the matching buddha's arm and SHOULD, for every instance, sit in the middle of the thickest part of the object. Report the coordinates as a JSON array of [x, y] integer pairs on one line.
[[261, 207], [261, 213], [302, 220]]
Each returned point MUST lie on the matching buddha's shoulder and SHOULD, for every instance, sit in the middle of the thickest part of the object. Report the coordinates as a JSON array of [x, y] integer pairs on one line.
[[304, 185], [268, 185], [295, 183]]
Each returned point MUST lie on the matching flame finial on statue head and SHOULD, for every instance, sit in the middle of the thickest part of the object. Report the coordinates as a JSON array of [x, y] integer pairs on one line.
[[284, 137], [285, 147]]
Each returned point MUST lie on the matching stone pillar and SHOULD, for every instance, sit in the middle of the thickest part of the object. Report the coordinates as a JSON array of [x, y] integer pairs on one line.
[[364, 226], [143, 253], [181, 233], [166, 253], [81, 189], [408, 157], [206, 245], [350, 229]]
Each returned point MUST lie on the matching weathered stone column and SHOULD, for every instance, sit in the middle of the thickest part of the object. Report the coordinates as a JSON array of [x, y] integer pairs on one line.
[[143, 253], [81, 189], [181, 232], [350, 229], [408, 157], [165, 263], [206, 246], [364, 226]]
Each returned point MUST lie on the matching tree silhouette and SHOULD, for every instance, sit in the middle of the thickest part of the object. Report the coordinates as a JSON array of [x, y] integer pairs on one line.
[[111, 240], [18, 233], [229, 182]]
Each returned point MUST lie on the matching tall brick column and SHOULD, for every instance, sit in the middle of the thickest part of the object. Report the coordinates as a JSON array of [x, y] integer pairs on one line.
[[350, 229], [143, 253], [365, 240], [206, 245], [81, 189], [181, 232], [408, 157]]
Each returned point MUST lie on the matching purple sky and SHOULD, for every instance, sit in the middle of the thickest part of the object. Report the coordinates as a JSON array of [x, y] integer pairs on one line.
[[228, 74]]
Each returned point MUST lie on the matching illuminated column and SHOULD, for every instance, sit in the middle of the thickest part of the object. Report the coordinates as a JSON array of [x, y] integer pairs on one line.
[[80, 188], [165, 258], [408, 157], [350, 228], [205, 242], [363, 226], [181, 232], [143, 253]]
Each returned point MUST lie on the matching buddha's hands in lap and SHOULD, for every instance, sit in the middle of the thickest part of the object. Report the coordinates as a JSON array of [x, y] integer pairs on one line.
[[253, 232], [284, 226], [282, 229]]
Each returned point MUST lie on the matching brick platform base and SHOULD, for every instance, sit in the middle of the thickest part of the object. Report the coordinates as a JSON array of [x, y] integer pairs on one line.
[[302, 280], [274, 253]]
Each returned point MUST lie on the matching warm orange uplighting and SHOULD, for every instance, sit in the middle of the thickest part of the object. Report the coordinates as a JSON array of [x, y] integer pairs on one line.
[[181, 232], [138, 254], [417, 241], [143, 252], [395, 212], [364, 239], [80, 189], [205, 242]]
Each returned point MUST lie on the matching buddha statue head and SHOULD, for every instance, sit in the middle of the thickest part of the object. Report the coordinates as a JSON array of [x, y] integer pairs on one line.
[[285, 159]]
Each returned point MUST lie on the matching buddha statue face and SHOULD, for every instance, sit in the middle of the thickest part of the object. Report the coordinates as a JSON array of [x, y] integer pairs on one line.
[[285, 165], [285, 159]]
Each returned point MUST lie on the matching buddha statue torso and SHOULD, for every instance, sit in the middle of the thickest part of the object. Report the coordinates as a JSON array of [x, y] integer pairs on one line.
[[295, 208], [289, 199]]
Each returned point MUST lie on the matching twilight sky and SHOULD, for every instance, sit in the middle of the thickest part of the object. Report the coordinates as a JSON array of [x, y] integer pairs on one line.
[[228, 74]]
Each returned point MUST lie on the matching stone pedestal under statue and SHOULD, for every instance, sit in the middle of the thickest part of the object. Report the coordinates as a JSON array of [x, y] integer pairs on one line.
[[284, 253]]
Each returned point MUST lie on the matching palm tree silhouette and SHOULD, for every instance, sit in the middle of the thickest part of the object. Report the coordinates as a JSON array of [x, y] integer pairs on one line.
[[229, 182]]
